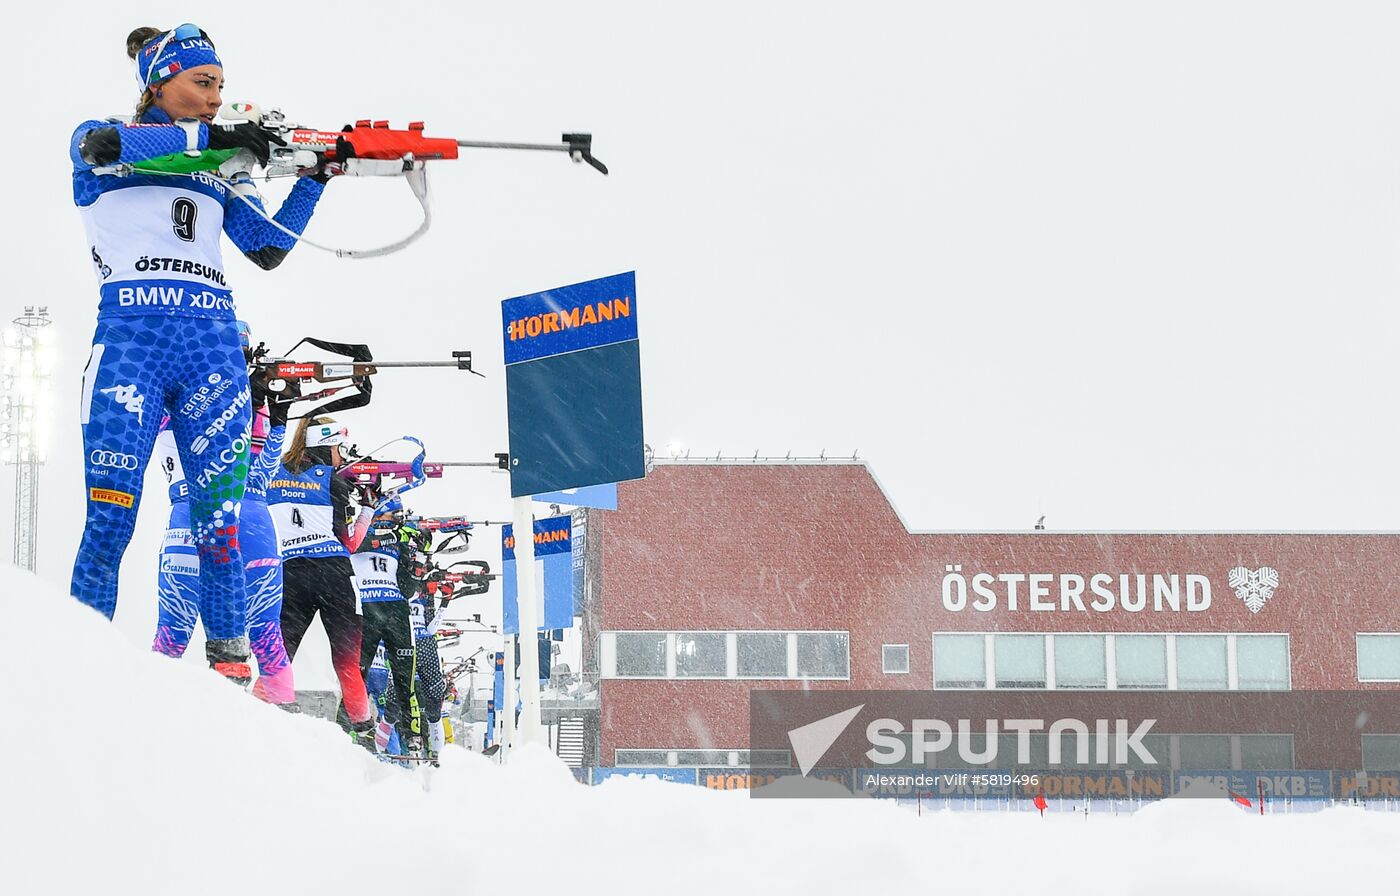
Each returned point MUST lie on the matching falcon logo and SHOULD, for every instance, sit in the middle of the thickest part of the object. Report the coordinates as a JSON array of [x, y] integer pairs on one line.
[[1254, 586], [129, 398]]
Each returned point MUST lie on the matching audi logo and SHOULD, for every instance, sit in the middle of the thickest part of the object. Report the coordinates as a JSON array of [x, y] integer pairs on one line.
[[112, 459]]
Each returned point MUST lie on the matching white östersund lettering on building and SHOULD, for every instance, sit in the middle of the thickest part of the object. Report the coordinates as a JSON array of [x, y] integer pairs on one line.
[[1072, 592]]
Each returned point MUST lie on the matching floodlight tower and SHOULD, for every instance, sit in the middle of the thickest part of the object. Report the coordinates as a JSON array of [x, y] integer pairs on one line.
[[26, 361]]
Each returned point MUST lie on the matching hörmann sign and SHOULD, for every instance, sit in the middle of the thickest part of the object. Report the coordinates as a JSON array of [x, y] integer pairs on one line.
[[574, 386]]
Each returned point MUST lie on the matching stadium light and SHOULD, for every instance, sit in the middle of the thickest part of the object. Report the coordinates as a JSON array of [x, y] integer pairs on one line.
[[26, 362]]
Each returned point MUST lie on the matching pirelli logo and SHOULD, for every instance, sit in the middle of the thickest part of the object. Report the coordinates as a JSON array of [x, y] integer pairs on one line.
[[112, 496]]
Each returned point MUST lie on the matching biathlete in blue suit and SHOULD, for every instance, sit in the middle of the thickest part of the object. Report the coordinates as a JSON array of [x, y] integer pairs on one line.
[[166, 321], [178, 576]]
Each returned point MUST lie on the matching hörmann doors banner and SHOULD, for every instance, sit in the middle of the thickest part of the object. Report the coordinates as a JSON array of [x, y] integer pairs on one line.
[[574, 386]]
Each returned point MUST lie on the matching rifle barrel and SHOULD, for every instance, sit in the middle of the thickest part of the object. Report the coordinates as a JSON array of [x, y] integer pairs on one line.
[[409, 363], [482, 144]]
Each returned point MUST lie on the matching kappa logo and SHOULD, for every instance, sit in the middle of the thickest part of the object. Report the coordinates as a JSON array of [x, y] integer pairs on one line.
[[129, 398], [1254, 586]]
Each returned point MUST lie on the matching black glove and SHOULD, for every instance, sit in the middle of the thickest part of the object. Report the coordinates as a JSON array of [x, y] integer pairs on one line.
[[277, 411], [262, 395], [245, 135], [257, 387]]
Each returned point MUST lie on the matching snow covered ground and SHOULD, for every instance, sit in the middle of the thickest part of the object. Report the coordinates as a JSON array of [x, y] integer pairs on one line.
[[125, 772]]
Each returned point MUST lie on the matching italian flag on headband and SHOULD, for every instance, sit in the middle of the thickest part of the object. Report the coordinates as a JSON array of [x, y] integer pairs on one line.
[[166, 72]]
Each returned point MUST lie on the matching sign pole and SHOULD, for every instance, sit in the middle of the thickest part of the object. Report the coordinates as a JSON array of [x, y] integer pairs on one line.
[[508, 698], [527, 596]]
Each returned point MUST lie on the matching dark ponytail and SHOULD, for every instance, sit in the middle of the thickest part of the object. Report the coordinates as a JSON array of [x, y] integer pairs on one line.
[[134, 42], [139, 38]]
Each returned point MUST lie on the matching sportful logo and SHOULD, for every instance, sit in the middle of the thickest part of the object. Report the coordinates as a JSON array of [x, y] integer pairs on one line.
[[101, 458], [127, 397], [201, 443], [1254, 586]]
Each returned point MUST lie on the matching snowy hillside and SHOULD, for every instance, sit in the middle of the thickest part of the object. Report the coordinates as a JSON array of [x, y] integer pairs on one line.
[[131, 773]]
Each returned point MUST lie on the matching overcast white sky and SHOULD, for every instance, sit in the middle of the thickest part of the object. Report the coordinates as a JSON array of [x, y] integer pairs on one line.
[[1129, 265]]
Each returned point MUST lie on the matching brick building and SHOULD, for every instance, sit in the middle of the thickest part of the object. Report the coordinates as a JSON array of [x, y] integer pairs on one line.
[[713, 579]]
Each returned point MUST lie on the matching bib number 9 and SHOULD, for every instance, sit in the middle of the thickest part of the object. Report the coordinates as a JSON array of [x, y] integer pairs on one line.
[[182, 214]]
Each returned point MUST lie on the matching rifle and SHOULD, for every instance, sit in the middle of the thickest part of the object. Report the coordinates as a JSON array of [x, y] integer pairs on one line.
[[447, 523], [371, 149], [288, 381], [458, 530], [465, 578], [368, 475]]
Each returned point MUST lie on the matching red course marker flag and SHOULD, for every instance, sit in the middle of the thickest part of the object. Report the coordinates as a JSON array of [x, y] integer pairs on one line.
[[1040, 803], [1242, 800]]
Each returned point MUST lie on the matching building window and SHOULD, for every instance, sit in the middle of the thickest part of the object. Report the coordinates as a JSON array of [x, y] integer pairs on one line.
[[764, 758], [1205, 751], [1378, 658], [1080, 661], [1380, 752], [894, 659], [762, 654], [1202, 663], [959, 661], [1141, 662], [1020, 660], [1009, 751], [1266, 751], [823, 655], [643, 758], [1158, 746], [725, 655], [1262, 661], [641, 654], [697, 758], [701, 654]]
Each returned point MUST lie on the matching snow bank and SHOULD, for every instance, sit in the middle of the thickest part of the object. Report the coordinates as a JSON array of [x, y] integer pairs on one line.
[[126, 772]]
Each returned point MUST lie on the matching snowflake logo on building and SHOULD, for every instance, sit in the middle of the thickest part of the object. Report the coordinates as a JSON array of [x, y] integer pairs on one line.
[[129, 398], [1254, 586]]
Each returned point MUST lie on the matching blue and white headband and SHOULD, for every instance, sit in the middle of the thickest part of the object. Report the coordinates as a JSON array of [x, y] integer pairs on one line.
[[181, 48]]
